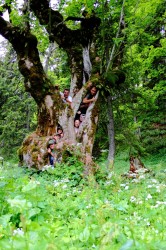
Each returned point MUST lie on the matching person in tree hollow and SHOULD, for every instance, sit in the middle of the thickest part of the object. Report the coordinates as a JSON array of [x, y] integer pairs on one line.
[[56, 138], [66, 98], [51, 153], [88, 99], [60, 131], [76, 125]]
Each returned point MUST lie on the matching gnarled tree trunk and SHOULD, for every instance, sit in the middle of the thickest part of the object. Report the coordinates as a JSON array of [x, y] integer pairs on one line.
[[51, 110]]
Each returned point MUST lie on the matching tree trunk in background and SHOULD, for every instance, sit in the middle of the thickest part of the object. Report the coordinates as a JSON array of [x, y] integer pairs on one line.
[[51, 110], [111, 135]]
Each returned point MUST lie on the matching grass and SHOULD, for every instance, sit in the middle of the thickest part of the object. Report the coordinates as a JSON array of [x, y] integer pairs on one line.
[[58, 209]]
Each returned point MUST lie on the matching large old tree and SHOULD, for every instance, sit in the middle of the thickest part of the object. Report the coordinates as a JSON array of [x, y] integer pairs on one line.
[[79, 45]]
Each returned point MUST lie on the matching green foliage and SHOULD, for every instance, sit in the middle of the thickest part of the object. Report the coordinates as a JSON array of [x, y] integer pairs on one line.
[[18, 110], [57, 209]]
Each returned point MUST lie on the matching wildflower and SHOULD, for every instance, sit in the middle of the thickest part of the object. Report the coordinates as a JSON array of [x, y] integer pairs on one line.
[[139, 202], [110, 175], [35, 182], [132, 199], [56, 183], [65, 180], [161, 202], [135, 214], [148, 197], [45, 167], [89, 206], [135, 180], [64, 186], [155, 206], [154, 180], [18, 231], [141, 177], [158, 189], [109, 182], [126, 187]]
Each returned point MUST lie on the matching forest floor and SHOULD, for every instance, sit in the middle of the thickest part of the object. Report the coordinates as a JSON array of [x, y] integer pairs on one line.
[[58, 209]]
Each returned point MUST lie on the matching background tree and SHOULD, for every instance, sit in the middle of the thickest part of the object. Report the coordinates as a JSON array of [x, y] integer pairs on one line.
[[18, 115]]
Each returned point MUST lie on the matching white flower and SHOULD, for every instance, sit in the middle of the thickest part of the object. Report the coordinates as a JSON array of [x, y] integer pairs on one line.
[[56, 183], [18, 231], [135, 180], [148, 197], [132, 199], [139, 202], [64, 186], [141, 177], [155, 206], [161, 202], [65, 180], [109, 182], [46, 167], [158, 188], [127, 187], [36, 182], [89, 206], [110, 175], [154, 180]]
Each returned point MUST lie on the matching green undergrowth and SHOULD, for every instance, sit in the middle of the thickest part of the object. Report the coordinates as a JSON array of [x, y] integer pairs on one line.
[[59, 209]]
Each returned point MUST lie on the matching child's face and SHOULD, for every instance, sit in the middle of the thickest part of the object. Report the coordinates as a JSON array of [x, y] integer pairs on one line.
[[59, 131], [56, 137], [93, 91], [52, 146], [82, 117], [77, 123]]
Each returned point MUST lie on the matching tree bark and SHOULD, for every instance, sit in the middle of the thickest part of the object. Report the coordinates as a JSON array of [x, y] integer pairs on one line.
[[111, 134], [51, 110]]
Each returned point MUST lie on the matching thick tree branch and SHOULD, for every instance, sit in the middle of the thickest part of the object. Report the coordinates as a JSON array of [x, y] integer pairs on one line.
[[58, 31], [25, 45], [117, 35]]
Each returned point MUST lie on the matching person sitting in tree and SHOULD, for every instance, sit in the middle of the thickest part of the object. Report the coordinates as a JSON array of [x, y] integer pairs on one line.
[[60, 131], [51, 153], [82, 118], [76, 125], [56, 138], [88, 99], [66, 98]]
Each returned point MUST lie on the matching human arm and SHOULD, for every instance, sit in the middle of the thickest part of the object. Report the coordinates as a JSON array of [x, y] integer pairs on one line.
[[69, 100], [86, 100], [50, 152]]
